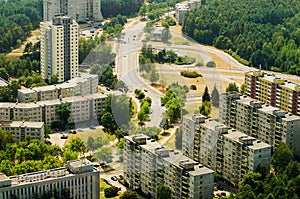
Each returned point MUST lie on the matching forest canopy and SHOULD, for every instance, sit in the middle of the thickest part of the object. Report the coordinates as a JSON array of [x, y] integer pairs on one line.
[[17, 19], [264, 32]]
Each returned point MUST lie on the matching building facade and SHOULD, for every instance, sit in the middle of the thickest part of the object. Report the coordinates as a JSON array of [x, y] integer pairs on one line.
[[220, 148], [59, 48], [183, 7], [21, 129], [264, 122], [82, 85], [273, 90], [83, 108], [78, 178], [148, 164], [80, 10]]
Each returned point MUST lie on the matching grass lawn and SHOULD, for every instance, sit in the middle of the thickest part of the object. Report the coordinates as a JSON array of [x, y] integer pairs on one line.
[[171, 142], [179, 41], [88, 133]]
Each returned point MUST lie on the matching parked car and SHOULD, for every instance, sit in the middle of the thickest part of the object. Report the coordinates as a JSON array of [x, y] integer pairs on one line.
[[114, 178], [64, 136], [92, 127]]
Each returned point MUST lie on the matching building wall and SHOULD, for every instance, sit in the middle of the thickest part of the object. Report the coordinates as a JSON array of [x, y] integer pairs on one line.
[[59, 41], [264, 122], [83, 108], [80, 184], [148, 164], [81, 10]]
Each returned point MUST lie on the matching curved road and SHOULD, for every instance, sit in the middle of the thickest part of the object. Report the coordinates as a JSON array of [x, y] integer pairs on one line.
[[127, 66]]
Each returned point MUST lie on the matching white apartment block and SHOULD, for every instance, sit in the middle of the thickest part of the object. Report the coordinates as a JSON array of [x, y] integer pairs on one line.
[[78, 177], [82, 85], [264, 122], [148, 164], [183, 7], [83, 108], [21, 129], [213, 144], [80, 10], [59, 48]]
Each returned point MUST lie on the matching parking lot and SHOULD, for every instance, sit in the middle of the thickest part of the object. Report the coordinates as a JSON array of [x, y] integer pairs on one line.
[[108, 177]]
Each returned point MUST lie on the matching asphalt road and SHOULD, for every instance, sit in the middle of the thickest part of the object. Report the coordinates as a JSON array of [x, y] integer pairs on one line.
[[127, 68]]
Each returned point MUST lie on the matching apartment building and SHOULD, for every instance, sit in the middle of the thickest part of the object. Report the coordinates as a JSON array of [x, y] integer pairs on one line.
[[78, 177], [273, 90], [82, 85], [59, 48], [80, 10], [220, 148], [183, 7], [148, 164], [239, 154], [21, 129], [264, 122], [227, 102], [83, 108]]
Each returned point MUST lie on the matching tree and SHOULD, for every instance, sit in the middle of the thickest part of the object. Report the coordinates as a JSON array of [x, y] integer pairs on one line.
[[282, 157], [143, 10], [69, 155], [4, 74], [77, 145], [5, 138], [129, 195], [152, 132], [13, 87], [63, 111], [232, 87], [205, 108], [163, 191], [53, 79], [215, 97], [166, 35], [108, 122], [173, 109], [206, 96], [104, 154], [110, 192]]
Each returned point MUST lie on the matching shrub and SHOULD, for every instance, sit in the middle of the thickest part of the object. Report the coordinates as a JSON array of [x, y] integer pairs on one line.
[[211, 64], [111, 192], [190, 74], [193, 87]]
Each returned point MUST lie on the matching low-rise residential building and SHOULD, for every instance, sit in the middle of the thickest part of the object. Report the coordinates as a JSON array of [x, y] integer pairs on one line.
[[220, 148], [83, 108], [21, 129], [82, 85], [157, 33], [183, 7], [78, 178], [148, 164], [264, 122]]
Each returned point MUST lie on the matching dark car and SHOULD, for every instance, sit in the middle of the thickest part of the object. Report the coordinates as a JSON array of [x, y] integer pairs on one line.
[[114, 178], [64, 136], [108, 89]]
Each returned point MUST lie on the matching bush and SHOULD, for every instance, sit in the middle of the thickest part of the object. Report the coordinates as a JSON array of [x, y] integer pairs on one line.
[[190, 74], [193, 87], [211, 64], [111, 192]]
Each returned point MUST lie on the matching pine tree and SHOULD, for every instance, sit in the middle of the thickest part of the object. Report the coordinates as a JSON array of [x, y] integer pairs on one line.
[[206, 96]]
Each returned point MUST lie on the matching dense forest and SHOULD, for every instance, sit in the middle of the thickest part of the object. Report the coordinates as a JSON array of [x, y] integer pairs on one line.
[[262, 32], [17, 19], [111, 8]]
